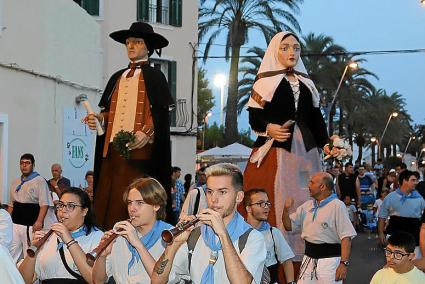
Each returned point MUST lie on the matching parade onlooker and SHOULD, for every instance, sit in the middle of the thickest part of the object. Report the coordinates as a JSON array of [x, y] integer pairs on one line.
[[187, 183], [379, 201], [400, 268], [257, 206], [404, 207], [367, 186], [58, 183], [326, 230], [89, 177], [29, 202], [400, 168], [351, 210], [196, 199], [346, 184], [178, 192]]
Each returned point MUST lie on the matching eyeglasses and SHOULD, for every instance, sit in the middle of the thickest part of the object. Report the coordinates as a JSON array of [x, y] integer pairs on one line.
[[396, 254], [69, 207], [262, 204]]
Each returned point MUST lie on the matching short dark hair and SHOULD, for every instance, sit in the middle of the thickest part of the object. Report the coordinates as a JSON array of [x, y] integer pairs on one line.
[[28, 156], [402, 166], [176, 169], [247, 197], [348, 164], [403, 240], [89, 173], [405, 176], [85, 201]]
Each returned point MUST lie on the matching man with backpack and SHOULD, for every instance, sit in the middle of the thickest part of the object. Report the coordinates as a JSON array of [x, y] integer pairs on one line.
[[258, 206], [227, 249], [195, 199]]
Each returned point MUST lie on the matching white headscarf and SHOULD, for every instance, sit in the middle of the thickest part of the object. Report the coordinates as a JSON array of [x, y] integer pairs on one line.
[[267, 85]]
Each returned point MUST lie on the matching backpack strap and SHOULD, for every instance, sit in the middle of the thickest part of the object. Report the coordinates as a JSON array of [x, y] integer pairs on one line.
[[274, 244], [72, 272], [243, 239], [196, 206], [191, 243]]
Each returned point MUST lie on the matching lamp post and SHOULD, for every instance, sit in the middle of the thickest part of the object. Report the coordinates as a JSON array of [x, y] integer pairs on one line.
[[205, 128], [220, 81], [408, 143], [353, 65], [373, 140], [394, 114]]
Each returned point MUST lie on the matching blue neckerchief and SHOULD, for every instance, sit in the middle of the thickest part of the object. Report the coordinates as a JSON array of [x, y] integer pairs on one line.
[[414, 194], [265, 226], [325, 201], [235, 229], [82, 231], [148, 241], [25, 179]]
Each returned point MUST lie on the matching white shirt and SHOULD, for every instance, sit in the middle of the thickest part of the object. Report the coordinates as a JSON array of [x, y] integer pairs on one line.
[[49, 265], [331, 224], [33, 191], [117, 263], [189, 202], [6, 229], [278, 242], [377, 204], [8, 272], [253, 257]]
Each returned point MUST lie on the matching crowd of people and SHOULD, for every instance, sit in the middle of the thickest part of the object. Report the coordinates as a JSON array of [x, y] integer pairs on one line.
[[281, 221]]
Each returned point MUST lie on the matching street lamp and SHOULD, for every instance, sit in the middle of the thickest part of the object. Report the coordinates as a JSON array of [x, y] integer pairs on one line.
[[205, 128], [394, 114], [353, 65], [220, 81], [408, 143]]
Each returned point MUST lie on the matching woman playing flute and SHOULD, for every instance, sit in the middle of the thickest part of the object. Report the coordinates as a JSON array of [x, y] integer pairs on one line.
[[132, 256], [61, 259]]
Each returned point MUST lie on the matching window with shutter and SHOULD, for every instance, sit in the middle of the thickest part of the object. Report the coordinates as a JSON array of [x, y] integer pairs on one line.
[[175, 12], [172, 84], [91, 6], [143, 8]]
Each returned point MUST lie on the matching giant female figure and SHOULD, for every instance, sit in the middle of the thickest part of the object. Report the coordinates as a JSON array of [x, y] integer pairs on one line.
[[284, 112]]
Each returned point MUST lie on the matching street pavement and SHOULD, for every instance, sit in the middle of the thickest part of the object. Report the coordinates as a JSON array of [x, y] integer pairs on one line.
[[366, 258]]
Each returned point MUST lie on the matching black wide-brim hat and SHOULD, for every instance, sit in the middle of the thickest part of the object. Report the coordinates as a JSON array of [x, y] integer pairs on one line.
[[141, 30]]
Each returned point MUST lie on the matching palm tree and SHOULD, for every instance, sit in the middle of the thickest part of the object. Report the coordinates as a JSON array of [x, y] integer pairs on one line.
[[236, 18], [249, 73]]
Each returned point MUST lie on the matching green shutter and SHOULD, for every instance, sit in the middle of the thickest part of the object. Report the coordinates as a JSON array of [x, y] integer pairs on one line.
[[176, 13], [172, 84], [91, 6], [143, 10]]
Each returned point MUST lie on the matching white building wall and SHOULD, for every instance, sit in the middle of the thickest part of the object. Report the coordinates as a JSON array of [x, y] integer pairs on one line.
[[119, 15], [57, 39]]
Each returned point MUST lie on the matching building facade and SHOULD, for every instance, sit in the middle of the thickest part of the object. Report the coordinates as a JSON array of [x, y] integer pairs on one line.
[[52, 51]]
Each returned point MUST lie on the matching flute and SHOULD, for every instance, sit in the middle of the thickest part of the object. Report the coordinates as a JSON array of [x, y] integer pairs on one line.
[[94, 254], [168, 236], [32, 250]]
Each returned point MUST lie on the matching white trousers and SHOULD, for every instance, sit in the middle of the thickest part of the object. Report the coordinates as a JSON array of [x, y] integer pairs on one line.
[[322, 273], [19, 246]]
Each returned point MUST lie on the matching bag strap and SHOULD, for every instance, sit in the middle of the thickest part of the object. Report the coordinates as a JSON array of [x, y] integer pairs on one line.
[[243, 239], [72, 272], [274, 245], [196, 206], [191, 243]]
